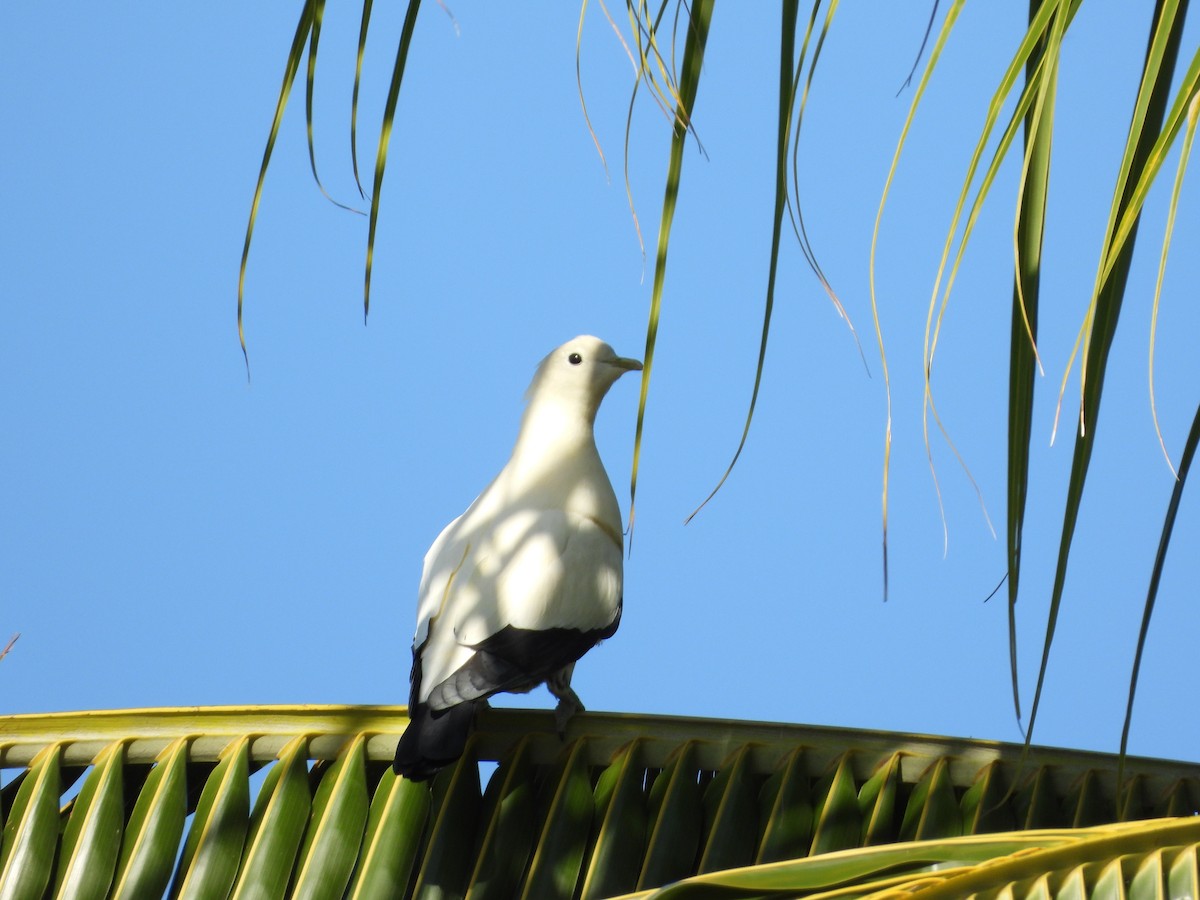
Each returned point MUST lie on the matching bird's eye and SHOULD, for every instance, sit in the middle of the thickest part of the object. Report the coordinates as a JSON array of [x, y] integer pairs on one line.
[[574, 359]]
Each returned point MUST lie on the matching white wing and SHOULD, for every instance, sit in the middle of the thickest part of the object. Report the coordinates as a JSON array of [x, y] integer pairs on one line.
[[532, 570]]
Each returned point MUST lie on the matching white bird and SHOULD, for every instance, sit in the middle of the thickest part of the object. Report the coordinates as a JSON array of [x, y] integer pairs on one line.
[[529, 578]]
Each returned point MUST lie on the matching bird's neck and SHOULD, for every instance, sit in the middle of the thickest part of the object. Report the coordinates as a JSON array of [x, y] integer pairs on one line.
[[551, 435]]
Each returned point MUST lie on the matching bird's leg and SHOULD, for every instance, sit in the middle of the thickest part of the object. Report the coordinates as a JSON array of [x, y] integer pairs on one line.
[[569, 703]]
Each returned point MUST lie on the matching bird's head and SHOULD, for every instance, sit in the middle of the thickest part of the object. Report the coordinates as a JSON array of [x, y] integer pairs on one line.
[[578, 374]]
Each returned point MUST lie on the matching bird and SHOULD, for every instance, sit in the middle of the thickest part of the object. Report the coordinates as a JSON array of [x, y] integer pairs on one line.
[[529, 578]]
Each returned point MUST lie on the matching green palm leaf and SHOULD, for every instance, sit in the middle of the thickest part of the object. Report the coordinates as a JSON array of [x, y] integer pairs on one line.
[[31, 832], [213, 849], [389, 849], [303, 28], [92, 838], [627, 803], [685, 93], [276, 826], [155, 827], [618, 845], [1023, 359], [335, 828], [1101, 322], [565, 824]]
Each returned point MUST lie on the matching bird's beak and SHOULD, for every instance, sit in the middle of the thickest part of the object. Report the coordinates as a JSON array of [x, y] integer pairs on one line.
[[625, 364]]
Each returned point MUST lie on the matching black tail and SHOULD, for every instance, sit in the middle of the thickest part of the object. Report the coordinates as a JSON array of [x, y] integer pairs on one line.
[[432, 740]]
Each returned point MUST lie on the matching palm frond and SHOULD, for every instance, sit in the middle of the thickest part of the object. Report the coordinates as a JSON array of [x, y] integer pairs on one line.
[[1023, 357], [303, 29], [787, 100], [1185, 464], [1142, 858], [385, 136], [625, 803], [1100, 323], [688, 85]]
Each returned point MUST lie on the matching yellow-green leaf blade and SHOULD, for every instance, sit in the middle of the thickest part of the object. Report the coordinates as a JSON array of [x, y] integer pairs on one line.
[[92, 839], [276, 827], [675, 813], [399, 811], [152, 835], [213, 848], [615, 858], [731, 815], [457, 801], [385, 136], [563, 836], [31, 832], [838, 819], [335, 831], [303, 26], [508, 836], [787, 812], [689, 83]]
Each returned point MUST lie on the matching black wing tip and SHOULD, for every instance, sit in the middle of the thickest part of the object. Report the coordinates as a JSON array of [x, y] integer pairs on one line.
[[418, 769], [431, 742]]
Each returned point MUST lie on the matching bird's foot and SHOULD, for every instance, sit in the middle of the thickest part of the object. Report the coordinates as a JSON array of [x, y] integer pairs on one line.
[[568, 704], [559, 684]]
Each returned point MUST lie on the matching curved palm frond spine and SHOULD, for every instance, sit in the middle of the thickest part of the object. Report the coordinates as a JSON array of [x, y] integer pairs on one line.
[[626, 803]]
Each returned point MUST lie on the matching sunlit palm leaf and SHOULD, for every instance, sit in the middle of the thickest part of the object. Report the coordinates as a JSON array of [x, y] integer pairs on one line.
[[674, 818], [450, 838], [92, 838], [155, 828], [276, 826], [385, 136], [1193, 115], [31, 832], [618, 844], [393, 838], [838, 818], [1101, 322], [1038, 55], [303, 28], [335, 830], [788, 79], [358, 65], [932, 810], [1099, 862], [935, 54], [689, 83], [212, 851], [626, 803], [1185, 464], [655, 69], [564, 825], [314, 41], [785, 807], [730, 815], [1023, 361], [799, 101], [508, 828], [877, 802], [1163, 51]]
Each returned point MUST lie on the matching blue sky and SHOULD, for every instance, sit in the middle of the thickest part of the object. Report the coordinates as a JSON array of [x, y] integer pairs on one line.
[[170, 535]]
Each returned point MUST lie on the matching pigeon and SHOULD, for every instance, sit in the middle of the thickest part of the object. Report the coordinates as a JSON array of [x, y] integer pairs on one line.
[[516, 589]]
